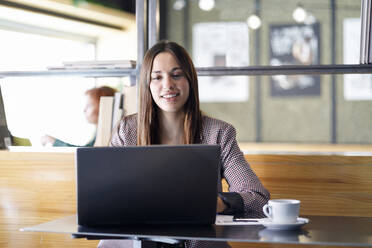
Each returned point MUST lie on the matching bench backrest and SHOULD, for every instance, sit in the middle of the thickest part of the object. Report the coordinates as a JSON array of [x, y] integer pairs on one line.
[[39, 187], [325, 184]]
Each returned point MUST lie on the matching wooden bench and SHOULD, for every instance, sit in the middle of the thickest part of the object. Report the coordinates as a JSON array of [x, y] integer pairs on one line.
[[37, 187], [329, 185]]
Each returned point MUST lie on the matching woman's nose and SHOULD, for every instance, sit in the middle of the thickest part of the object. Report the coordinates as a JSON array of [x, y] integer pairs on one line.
[[168, 82]]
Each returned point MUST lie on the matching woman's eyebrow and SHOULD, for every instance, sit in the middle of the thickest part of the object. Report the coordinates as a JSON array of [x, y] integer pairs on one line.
[[173, 69], [176, 68]]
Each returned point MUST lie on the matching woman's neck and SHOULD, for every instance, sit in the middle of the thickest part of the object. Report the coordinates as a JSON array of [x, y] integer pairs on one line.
[[171, 128]]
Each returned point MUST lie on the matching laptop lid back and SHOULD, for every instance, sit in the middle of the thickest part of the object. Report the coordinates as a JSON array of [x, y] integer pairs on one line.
[[147, 185]]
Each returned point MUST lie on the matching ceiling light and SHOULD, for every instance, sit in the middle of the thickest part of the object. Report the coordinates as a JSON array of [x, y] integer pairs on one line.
[[206, 5], [310, 19], [254, 22], [299, 14], [179, 4]]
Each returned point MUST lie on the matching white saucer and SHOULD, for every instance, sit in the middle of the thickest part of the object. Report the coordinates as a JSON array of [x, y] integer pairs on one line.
[[268, 223]]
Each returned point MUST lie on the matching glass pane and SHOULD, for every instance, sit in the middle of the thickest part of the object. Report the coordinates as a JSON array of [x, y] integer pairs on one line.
[[273, 115], [257, 32], [31, 40], [54, 107], [47, 106], [354, 109], [218, 100], [36, 52]]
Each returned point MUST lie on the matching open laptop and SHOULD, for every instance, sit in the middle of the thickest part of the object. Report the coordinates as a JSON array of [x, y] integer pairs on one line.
[[147, 185]]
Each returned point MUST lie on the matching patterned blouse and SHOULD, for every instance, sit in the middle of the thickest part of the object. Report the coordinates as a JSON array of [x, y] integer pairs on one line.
[[242, 181]]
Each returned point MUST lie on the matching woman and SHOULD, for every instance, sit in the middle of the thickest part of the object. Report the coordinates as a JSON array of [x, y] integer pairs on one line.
[[91, 111], [169, 114]]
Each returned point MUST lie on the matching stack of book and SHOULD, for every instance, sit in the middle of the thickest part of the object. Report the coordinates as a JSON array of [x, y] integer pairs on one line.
[[110, 113], [95, 65]]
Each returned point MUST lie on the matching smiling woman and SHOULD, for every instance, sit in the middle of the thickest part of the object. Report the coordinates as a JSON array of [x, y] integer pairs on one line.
[[169, 87], [169, 114], [178, 72]]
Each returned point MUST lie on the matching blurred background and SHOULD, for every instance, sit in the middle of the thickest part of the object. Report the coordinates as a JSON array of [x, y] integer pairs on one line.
[[319, 109]]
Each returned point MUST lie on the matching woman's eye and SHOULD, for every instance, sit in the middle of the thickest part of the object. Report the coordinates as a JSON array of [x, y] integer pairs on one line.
[[155, 78], [177, 76]]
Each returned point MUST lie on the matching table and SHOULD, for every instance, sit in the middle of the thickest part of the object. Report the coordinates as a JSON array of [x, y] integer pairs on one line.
[[322, 230]]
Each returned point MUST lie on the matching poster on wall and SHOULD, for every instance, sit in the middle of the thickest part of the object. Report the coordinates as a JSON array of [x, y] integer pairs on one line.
[[357, 87], [221, 44], [294, 44]]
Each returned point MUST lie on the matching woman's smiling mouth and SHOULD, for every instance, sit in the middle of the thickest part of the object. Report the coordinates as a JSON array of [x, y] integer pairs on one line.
[[170, 96]]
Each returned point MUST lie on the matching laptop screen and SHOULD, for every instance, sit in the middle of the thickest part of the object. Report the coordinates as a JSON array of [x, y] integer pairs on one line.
[[147, 184]]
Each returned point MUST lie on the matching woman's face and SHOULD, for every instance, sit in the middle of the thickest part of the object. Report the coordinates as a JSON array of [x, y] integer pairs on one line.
[[91, 109], [169, 86]]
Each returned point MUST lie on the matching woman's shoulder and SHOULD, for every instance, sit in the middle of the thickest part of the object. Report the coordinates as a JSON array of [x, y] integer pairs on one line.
[[130, 120], [215, 130], [128, 125], [126, 132], [213, 123]]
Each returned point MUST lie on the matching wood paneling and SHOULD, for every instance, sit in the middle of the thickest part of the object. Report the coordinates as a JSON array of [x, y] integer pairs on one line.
[[316, 148], [38, 187], [34, 188], [325, 184]]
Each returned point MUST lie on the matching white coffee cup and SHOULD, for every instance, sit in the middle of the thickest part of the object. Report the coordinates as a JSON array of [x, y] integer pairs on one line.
[[282, 210]]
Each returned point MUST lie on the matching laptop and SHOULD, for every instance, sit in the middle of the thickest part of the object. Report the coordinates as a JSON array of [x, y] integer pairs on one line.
[[147, 185]]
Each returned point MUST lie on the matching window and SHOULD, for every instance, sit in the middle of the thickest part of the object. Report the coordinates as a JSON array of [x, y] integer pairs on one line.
[[35, 106], [313, 107], [36, 40]]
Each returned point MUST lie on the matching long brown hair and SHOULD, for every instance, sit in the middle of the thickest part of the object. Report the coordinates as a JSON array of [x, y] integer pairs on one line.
[[148, 122]]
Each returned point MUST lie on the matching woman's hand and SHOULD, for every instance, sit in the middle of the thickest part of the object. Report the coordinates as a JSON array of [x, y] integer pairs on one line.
[[221, 206]]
